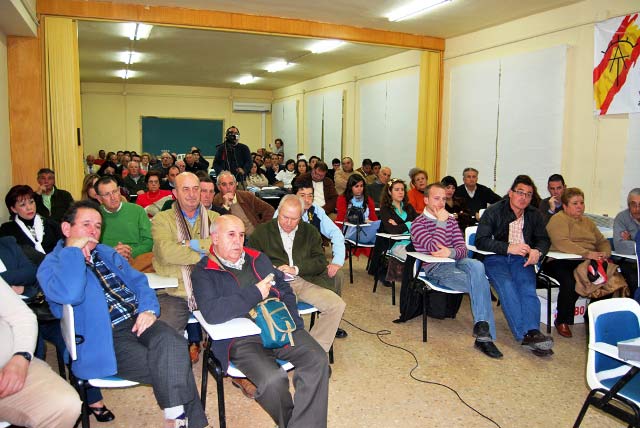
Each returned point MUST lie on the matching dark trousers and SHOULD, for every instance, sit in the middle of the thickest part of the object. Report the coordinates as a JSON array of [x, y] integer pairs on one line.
[[562, 271], [310, 379], [159, 357]]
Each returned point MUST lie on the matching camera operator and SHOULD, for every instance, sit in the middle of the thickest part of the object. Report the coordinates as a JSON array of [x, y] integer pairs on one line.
[[233, 156]]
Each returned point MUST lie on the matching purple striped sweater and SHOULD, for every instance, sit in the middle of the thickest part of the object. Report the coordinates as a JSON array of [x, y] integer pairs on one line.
[[427, 233]]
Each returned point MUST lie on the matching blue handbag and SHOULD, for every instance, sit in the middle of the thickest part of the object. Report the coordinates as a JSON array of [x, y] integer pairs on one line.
[[363, 234], [275, 322]]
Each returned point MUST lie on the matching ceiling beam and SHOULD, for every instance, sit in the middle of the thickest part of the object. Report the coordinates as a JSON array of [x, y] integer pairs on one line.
[[228, 21]]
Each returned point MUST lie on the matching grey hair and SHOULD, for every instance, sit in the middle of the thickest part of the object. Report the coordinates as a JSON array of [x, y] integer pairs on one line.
[[225, 173], [632, 193], [293, 198]]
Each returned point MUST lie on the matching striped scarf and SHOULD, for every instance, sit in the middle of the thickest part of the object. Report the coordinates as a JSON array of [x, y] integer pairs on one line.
[[185, 235]]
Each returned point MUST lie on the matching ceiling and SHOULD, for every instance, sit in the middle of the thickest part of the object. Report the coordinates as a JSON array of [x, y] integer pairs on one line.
[[179, 56]]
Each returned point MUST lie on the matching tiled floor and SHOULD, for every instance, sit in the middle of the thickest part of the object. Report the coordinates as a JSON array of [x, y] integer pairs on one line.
[[372, 384]]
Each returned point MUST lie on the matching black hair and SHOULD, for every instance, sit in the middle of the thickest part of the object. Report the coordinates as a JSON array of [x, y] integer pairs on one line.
[[70, 215]]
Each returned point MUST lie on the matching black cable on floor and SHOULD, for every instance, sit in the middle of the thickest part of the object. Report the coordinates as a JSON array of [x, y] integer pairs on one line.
[[386, 332]]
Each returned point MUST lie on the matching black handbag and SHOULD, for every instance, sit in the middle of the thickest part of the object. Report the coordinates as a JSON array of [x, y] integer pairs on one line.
[[39, 305]]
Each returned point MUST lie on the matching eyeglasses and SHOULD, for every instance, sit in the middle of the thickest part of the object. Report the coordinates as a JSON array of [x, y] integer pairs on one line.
[[115, 192], [527, 195]]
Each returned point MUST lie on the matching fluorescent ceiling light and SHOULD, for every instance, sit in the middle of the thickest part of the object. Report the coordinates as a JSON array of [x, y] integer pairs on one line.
[[125, 74], [414, 8], [246, 79], [129, 57], [278, 66], [325, 46], [136, 31]]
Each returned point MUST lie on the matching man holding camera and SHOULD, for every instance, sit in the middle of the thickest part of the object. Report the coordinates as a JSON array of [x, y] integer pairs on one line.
[[233, 156]]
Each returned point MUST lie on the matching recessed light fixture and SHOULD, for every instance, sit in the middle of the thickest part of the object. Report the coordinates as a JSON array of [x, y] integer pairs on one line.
[[125, 74], [325, 46], [137, 31], [278, 66], [413, 8], [129, 57], [244, 80]]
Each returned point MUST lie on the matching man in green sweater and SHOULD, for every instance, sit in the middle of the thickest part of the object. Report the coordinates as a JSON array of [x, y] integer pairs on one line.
[[126, 226]]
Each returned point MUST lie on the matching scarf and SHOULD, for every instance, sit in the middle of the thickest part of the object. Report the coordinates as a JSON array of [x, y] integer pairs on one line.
[[35, 233], [185, 235]]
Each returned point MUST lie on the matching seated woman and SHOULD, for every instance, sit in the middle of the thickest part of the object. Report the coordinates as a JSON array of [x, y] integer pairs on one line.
[[88, 192], [285, 177], [419, 179], [355, 201], [571, 232], [153, 193], [396, 214], [256, 178], [37, 236], [301, 167], [455, 205]]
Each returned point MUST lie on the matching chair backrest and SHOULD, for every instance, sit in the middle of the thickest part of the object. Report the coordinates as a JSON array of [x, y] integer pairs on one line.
[[470, 235], [68, 327], [610, 321]]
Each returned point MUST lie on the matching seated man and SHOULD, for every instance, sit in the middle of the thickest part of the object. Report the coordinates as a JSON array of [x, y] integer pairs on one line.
[[295, 248], [374, 189], [230, 283], [51, 201], [476, 196], [324, 190], [316, 216], [515, 231], [116, 313], [31, 394], [551, 205], [180, 240], [245, 205], [126, 226], [435, 232], [625, 231], [134, 180]]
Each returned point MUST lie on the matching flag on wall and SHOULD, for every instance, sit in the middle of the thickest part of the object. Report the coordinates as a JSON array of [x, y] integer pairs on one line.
[[616, 76]]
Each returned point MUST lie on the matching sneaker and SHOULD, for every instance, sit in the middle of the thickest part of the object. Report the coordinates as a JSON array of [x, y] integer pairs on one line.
[[180, 422], [481, 332], [535, 340]]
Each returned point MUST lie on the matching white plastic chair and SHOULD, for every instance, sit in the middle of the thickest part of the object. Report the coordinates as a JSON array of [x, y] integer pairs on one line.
[[615, 388], [418, 274], [67, 325]]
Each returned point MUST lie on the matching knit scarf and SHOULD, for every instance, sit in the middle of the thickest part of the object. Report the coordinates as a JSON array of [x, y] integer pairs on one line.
[[185, 235], [34, 233]]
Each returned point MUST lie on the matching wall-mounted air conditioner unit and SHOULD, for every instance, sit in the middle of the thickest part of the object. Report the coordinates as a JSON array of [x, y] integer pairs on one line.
[[255, 107]]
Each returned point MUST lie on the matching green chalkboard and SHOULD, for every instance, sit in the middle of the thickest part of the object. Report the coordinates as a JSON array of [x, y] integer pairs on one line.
[[178, 135]]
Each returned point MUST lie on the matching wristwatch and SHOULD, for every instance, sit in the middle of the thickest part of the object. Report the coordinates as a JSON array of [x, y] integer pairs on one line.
[[27, 356]]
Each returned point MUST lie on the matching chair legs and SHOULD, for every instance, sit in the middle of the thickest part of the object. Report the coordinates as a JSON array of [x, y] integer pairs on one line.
[[311, 322], [211, 365], [602, 402], [425, 305]]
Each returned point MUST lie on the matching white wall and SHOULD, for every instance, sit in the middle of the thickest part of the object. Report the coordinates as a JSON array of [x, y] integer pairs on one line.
[[5, 147], [593, 147], [111, 118], [349, 81]]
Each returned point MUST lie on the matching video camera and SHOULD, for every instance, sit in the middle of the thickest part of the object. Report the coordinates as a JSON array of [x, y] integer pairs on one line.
[[231, 137]]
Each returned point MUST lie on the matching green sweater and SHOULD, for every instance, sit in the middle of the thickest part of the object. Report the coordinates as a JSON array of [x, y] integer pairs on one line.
[[129, 225]]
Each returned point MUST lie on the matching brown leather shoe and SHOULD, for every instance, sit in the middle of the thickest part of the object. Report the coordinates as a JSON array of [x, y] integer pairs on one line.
[[194, 352], [246, 386], [564, 330]]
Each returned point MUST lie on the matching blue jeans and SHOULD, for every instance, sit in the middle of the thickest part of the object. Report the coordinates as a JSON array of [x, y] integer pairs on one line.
[[466, 275], [516, 287]]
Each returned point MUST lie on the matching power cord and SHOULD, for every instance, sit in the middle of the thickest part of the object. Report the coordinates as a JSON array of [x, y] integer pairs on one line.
[[380, 333]]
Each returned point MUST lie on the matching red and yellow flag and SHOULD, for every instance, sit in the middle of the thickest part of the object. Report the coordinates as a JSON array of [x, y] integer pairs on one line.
[[617, 58]]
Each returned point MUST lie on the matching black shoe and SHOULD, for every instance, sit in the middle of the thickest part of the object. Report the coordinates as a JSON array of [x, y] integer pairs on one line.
[[535, 340], [341, 334], [481, 332], [541, 353], [102, 414], [488, 348]]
